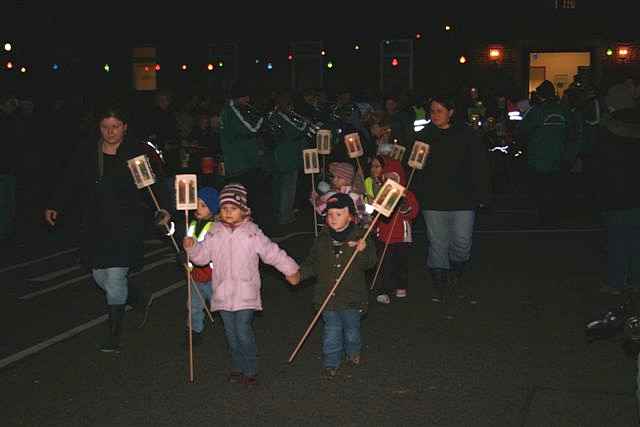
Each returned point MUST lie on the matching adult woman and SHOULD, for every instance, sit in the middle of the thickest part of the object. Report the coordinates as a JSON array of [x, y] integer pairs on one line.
[[112, 231], [451, 186]]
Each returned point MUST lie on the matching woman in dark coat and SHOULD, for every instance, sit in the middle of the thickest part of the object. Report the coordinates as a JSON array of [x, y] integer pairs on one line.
[[451, 186], [100, 184]]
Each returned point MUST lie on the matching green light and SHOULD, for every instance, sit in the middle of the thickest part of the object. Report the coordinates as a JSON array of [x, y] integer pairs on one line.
[[107, 68], [329, 64], [220, 64], [609, 52]]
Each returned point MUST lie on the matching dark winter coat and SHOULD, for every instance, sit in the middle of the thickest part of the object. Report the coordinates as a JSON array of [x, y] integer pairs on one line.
[[112, 207], [456, 175], [322, 262]]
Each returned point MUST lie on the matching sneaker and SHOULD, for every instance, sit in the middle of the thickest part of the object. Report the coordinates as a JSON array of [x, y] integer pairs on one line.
[[353, 360], [249, 380], [401, 293], [383, 299], [330, 373], [235, 377]]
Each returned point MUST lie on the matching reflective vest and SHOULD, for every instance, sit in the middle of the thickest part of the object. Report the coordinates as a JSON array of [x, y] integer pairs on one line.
[[191, 231]]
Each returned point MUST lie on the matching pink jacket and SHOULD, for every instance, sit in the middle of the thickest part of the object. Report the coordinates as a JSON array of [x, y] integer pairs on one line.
[[236, 254]]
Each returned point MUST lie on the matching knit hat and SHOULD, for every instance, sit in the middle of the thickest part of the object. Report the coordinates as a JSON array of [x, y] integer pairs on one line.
[[235, 194], [620, 97], [342, 170], [209, 196], [340, 201]]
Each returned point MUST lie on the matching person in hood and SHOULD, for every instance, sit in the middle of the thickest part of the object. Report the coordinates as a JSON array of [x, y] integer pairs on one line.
[[618, 151], [396, 232]]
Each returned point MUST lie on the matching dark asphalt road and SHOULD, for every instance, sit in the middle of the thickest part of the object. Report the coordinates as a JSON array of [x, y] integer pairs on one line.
[[517, 358]]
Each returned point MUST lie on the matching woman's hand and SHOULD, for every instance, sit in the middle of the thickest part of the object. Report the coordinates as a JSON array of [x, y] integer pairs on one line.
[[50, 216]]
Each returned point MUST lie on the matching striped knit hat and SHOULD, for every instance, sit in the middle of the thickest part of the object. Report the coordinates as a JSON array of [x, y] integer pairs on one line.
[[342, 170], [235, 194]]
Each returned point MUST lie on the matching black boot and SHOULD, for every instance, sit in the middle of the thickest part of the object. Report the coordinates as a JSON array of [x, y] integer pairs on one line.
[[439, 285], [116, 315], [137, 298], [455, 279]]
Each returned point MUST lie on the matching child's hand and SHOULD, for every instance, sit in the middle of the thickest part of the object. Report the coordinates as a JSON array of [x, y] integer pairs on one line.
[[360, 245], [188, 242], [294, 279]]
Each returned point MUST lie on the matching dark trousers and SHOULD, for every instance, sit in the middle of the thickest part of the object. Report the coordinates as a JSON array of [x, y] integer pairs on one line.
[[395, 267], [548, 192]]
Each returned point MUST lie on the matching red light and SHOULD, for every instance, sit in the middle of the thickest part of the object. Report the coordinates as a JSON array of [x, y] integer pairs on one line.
[[9, 65], [623, 52], [146, 68], [210, 67], [290, 57], [157, 67], [395, 62], [418, 36], [184, 67]]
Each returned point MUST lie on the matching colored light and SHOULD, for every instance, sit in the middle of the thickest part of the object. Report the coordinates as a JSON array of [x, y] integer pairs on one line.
[[220, 64], [146, 68], [395, 62], [106, 67], [495, 53], [418, 36], [290, 57], [329, 64], [269, 66], [7, 47], [210, 67], [9, 65], [447, 27], [609, 52], [323, 52], [183, 67], [462, 59], [56, 67], [23, 70], [157, 67], [623, 52]]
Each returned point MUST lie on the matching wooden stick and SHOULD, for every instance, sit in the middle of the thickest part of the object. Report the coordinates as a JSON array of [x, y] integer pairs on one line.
[[386, 243], [186, 215], [315, 218], [332, 291], [360, 172], [324, 173]]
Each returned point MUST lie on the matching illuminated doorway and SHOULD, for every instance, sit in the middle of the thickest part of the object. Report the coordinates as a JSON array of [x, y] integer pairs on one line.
[[557, 67]]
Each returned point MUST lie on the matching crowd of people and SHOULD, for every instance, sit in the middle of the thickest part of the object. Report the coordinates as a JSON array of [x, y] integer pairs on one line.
[[242, 147]]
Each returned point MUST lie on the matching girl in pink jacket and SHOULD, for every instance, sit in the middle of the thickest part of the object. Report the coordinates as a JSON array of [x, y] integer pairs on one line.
[[235, 248]]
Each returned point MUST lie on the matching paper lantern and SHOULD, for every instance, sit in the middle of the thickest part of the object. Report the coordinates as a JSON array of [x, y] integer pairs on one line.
[[388, 197], [323, 141], [311, 163], [186, 192], [419, 154], [141, 171], [354, 146], [397, 152]]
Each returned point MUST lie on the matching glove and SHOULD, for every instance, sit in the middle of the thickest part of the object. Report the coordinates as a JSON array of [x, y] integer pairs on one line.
[[161, 218]]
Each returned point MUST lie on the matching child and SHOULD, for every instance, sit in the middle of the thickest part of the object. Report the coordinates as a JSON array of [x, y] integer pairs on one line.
[[395, 266], [235, 246], [201, 274], [342, 175], [373, 182], [327, 258]]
